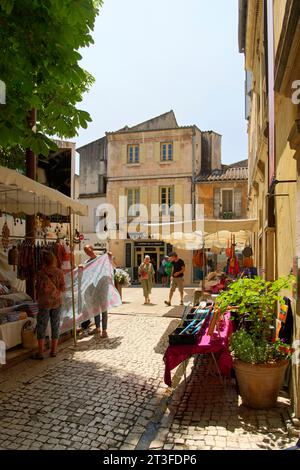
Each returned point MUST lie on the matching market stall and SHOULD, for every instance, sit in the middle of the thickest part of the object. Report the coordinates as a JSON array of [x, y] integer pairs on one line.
[[21, 196], [210, 235]]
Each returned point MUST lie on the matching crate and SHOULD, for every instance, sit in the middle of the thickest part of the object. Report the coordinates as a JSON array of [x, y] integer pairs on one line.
[[176, 339]]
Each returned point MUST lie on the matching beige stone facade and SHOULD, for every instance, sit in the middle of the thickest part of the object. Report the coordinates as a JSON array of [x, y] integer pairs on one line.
[[277, 241], [150, 177]]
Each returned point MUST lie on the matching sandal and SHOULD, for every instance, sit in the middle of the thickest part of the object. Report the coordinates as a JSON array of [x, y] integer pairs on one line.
[[104, 334], [37, 356], [53, 354]]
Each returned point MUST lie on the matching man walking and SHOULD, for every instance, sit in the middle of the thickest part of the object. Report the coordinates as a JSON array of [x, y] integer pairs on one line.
[[177, 277]]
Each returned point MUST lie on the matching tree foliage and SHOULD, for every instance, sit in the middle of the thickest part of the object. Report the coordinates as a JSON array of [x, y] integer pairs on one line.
[[39, 41]]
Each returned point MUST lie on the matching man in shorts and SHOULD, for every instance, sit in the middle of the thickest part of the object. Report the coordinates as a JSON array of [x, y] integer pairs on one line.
[[177, 277]]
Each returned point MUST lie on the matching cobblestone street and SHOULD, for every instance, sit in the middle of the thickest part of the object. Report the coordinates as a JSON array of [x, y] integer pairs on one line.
[[110, 394]]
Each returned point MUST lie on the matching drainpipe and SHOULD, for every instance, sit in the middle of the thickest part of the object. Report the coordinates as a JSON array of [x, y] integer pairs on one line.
[[193, 186], [193, 173]]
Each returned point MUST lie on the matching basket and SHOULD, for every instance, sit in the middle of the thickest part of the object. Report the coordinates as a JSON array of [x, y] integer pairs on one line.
[[29, 339]]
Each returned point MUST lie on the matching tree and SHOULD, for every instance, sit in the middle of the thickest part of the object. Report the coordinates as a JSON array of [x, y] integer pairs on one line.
[[39, 64]]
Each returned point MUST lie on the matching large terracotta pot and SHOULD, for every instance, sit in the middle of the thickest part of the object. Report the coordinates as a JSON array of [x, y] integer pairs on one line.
[[259, 384]]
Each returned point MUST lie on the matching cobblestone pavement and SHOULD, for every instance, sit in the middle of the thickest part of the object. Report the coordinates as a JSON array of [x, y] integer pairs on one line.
[[204, 415], [109, 394]]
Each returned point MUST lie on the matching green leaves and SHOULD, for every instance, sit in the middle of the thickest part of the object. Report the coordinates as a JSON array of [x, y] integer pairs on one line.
[[40, 66], [7, 5]]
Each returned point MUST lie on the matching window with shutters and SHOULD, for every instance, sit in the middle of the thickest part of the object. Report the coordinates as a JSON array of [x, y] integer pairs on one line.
[[133, 153], [217, 203], [167, 200], [166, 152], [133, 202], [227, 200]]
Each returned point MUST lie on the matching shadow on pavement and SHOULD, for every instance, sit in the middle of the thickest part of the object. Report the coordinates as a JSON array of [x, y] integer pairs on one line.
[[163, 343], [215, 414]]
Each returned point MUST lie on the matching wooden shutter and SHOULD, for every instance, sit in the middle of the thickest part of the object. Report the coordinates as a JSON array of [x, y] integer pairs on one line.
[[217, 201], [143, 152], [176, 151], [238, 202], [156, 150], [124, 154]]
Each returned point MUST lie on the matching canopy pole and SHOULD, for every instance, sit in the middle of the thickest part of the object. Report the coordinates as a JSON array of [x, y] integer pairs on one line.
[[72, 275], [203, 265]]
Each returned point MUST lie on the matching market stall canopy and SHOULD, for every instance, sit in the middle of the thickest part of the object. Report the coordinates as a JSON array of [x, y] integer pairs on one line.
[[215, 233], [22, 195]]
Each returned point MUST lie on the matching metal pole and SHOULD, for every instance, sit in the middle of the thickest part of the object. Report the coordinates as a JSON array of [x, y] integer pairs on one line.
[[31, 170], [72, 276]]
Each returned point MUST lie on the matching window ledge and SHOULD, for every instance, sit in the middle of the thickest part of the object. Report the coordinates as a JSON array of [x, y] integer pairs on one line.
[[166, 162], [132, 164]]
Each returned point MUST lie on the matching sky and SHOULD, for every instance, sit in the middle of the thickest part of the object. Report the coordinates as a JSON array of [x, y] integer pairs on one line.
[[151, 56]]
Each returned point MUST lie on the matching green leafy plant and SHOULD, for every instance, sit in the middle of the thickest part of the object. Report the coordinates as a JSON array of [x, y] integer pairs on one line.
[[254, 303], [40, 66]]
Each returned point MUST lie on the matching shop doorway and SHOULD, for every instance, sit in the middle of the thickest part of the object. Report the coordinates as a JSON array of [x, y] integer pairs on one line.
[[156, 254]]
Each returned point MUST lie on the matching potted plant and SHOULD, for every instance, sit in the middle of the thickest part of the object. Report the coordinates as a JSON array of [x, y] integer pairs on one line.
[[260, 360], [122, 279]]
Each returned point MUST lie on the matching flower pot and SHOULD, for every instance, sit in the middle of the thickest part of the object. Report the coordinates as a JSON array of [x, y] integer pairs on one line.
[[259, 384]]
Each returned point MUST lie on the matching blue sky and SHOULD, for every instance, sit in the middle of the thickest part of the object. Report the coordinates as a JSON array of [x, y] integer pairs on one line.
[[153, 56]]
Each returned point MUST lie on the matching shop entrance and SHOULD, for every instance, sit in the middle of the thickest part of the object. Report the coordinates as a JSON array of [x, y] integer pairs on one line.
[[156, 254]]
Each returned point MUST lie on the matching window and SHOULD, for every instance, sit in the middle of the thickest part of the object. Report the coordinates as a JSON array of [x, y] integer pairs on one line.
[[227, 200], [133, 202], [133, 154], [166, 152], [166, 200]]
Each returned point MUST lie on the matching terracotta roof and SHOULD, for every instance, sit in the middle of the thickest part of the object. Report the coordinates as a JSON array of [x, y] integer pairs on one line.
[[241, 164], [229, 173]]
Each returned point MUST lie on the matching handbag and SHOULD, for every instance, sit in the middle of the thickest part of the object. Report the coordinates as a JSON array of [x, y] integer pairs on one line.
[[247, 251], [29, 339]]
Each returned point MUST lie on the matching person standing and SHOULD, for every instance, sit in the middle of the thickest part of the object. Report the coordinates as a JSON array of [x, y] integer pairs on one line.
[[49, 286], [177, 277], [90, 253], [146, 275], [168, 270]]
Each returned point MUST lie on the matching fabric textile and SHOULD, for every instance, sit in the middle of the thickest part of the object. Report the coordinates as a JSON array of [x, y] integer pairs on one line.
[[174, 355], [94, 292]]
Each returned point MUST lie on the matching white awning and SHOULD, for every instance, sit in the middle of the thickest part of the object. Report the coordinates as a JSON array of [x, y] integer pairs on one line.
[[215, 233], [22, 195]]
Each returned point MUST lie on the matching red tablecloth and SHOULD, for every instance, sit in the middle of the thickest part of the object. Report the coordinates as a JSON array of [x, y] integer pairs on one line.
[[174, 355]]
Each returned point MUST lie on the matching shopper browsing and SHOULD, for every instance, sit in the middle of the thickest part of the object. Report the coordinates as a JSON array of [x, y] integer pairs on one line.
[[85, 325], [50, 285]]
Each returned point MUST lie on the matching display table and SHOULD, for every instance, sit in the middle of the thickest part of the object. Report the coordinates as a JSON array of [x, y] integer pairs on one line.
[[11, 333], [175, 355]]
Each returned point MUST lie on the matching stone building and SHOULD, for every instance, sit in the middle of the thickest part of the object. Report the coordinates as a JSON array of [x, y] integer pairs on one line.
[[224, 191], [269, 37], [92, 190], [153, 163]]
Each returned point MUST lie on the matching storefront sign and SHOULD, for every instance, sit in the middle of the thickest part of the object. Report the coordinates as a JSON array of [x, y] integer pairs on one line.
[[149, 244], [138, 236]]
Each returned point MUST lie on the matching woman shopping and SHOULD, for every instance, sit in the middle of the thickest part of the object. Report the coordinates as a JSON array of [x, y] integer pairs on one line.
[[146, 275], [50, 285]]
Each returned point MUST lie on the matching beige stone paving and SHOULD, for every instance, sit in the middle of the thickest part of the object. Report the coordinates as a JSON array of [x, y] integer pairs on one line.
[[203, 415], [106, 393]]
